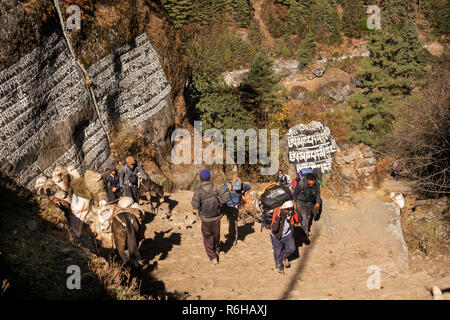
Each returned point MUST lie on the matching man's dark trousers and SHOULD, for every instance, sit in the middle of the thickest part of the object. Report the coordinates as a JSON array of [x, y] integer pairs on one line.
[[211, 238], [282, 248], [132, 191], [112, 196], [305, 209]]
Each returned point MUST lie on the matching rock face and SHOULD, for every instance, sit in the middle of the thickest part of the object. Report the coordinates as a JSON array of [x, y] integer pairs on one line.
[[352, 170], [339, 94], [318, 69], [298, 93], [47, 113]]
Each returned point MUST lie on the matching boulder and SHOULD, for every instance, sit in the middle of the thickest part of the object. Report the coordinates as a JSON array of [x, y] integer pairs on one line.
[[351, 172], [435, 48], [298, 93], [318, 69], [356, 82], [339, 94]]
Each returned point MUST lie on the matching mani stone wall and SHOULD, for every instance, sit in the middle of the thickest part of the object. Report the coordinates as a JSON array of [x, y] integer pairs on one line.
[[47, 117]]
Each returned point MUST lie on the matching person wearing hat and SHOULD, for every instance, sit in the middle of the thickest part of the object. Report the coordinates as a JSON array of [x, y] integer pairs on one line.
[[207, 199], [281, 234], [235, 190], [111, 183], [128, 178]]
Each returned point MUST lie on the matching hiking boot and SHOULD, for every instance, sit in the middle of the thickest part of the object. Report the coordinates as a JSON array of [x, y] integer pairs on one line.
[[286, 263]]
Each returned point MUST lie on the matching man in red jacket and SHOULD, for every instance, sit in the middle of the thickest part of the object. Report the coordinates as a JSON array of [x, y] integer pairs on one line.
[[281, 234]]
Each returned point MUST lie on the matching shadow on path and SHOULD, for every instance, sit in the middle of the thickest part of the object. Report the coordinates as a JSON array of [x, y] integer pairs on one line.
[[301, 266]]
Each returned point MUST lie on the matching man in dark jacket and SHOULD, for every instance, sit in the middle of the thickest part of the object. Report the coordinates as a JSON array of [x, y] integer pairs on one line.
[[129, 177], [282, 178], [307, 197], [111, 183], [207, 199], [281, 234]]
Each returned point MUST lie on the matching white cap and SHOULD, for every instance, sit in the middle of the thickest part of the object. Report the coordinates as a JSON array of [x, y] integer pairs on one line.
[[287, 205]]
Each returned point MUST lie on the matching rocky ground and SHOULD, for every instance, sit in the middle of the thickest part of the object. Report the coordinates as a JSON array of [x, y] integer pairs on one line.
[[345, 242]]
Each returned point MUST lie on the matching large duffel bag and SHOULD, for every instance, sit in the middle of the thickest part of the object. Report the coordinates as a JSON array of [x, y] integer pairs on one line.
[[274, 195]]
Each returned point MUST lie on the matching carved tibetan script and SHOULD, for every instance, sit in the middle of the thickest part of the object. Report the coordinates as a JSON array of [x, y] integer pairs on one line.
[[311, 146]]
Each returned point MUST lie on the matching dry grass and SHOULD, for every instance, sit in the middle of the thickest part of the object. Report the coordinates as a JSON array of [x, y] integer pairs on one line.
[[116, 279]]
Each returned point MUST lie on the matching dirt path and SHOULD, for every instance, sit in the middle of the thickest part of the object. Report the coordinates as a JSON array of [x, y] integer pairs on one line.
[[331, 75], [334, 266], [262, 26]]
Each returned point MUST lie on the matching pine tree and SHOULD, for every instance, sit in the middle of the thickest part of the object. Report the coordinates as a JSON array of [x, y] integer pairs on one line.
[[335, 36], [296, 19], [180, 11], [223, 109], [387, 75], [307, 50], [242, 12], [353, 13], [263, 82]]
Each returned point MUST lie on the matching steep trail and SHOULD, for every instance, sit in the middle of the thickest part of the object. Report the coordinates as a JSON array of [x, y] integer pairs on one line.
[[344, 244], [262, 26]]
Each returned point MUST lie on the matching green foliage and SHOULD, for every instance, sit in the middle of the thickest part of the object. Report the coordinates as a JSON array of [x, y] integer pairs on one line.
[[326, 22], [281, 49], [254, 34], [242, 12], [394, 59], [296, 19], [263, 82], [352, 16], [437, 11], [387, 73], [335, 36], [180, 11], [307, 50], [275, 26], [223, 109], [280, 3], [373, 117], [213, 51]]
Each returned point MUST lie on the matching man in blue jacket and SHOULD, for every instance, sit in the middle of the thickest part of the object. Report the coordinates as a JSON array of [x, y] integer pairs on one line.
[[235, 189]]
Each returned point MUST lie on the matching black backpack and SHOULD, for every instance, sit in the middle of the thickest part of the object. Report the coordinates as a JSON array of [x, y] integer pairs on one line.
[[274, 195], [266, 218], [210, 204]]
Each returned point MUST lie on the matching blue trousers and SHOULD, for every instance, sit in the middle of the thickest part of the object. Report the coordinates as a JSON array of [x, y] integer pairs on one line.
[[282, 249]]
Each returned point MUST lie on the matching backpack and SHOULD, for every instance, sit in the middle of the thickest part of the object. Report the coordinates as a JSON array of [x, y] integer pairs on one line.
[[317, 172], [266, 218], [230, 183], [209, 205], [274, 195]]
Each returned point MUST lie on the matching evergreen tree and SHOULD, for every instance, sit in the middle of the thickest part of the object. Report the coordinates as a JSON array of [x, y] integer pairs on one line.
[[180, 11], [353, 14], [437, 11], [280, 3], [387, 75], [307, 50], [335, 36], [242, 12], [296, 19], [263, 83], [223, 109]]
